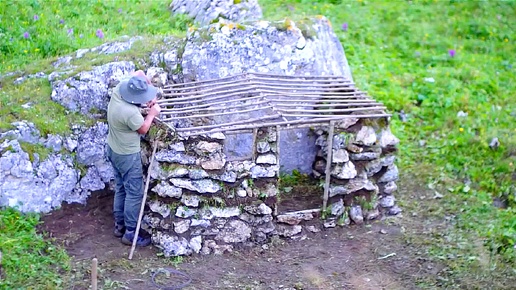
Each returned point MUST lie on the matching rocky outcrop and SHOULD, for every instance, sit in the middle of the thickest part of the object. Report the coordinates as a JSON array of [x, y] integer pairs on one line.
[[34, 185], [205, 12]]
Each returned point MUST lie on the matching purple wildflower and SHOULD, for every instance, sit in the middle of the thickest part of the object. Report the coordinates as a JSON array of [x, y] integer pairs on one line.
[[119, 10], [452, 52], [99, 33], [345, 26], [26, 35], [70, 31], [36, 17], [61, 21]]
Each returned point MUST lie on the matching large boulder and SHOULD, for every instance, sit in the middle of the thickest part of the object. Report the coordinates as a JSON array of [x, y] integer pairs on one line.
[[306, 48], [206, 11]]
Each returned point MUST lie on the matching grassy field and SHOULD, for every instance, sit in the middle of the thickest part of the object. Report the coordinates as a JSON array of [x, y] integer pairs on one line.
[[448, 66]]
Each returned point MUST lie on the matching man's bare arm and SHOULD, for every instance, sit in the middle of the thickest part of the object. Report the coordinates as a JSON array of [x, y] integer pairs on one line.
[[153, 112]]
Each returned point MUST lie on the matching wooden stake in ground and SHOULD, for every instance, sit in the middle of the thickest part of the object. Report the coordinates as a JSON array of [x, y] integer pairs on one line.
[[137, 231], [328, 165], [94, 263]]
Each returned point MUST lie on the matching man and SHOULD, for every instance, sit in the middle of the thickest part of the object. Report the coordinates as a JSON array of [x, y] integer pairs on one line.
[[123, 151]]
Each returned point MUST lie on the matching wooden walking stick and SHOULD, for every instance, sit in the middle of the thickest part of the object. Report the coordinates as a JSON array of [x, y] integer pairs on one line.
[[144, 199]]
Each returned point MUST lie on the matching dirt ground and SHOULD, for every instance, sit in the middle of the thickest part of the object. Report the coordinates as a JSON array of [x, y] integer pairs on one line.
[[357, 257]]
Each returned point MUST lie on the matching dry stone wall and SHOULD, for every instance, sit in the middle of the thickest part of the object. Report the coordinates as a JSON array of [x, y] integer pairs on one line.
[[201, 202]]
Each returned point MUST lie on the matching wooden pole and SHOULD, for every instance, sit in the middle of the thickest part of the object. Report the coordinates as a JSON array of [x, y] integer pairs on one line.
[[94, 263], [328, 165], [137, 231]]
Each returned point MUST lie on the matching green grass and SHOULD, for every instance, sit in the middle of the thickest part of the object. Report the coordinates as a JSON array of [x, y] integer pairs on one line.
[[29, 261], [394, 49], [60, 27]]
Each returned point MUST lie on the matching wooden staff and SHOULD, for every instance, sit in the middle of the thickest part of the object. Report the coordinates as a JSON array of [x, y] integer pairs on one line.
[[143, 201]]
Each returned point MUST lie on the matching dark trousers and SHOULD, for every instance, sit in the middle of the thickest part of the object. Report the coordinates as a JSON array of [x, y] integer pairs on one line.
[[128, 188]]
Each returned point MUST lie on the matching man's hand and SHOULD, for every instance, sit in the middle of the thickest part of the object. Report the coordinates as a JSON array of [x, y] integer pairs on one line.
[[155, 110]]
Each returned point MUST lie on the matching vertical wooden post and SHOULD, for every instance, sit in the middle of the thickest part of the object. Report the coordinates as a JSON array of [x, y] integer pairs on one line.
[[328, 165], [94, 263], [278, 161], [255, 147]]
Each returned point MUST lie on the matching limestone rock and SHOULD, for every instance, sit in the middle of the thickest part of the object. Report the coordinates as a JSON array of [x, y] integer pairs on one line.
[[261, 209], [387, 139], [214, 162], [164, 189], [92, 144], [197, 174], [207, 11], [185, 212], [258, 171], [266, 159], [172, 156], [195, 244], [337, 208], [88, 90], [36, 188], [390, 175], [159, 207], [54, 142], [366, 136], [355, 213], [295, 218], [24, 132], [235, 231], [209, 213], [181, 226], [346, 171], [288, 231], [201, 186], [92, 180], [190, 200], [171, 245], [389, 188], [204, 147], [158, 76], [387, 201], [353, 185], [340, 156], [373, 167], [346, 123]]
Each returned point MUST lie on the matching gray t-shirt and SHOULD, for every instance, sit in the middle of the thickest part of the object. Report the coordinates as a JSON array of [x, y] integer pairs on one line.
[[124, 119]]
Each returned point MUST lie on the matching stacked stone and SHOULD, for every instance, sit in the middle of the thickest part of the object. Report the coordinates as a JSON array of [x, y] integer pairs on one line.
[[204, 203], [363, 172]]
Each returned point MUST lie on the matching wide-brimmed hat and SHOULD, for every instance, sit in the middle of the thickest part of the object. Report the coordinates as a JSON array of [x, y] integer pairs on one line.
[[136, 90]]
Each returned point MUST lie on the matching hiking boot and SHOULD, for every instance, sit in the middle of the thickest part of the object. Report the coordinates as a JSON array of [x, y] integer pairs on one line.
[[143, 239], [119, 230]]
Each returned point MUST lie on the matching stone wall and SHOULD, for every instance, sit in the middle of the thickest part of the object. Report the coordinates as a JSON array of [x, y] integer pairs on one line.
[[200, 202]]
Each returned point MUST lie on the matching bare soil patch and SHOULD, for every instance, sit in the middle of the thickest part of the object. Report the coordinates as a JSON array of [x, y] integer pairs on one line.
[[357, 257]]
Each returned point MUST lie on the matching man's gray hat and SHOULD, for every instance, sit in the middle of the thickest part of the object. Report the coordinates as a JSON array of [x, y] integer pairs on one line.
[[137, 91]]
